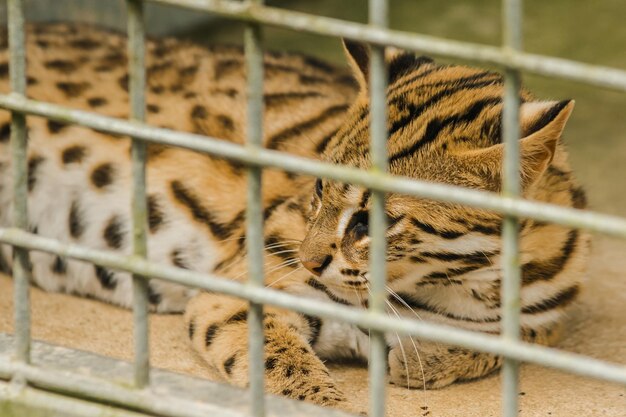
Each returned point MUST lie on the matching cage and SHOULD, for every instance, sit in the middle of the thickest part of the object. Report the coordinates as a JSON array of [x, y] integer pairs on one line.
[[65, 381]]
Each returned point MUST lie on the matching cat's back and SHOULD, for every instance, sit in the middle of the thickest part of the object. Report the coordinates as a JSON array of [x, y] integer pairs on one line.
[[79, 180], [190, 87]]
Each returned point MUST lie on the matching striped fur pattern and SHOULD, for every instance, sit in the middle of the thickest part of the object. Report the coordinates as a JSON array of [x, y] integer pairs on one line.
[[443, 259]]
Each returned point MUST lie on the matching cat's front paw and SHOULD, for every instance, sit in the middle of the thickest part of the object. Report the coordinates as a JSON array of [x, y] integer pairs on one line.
[[325, 393], [418, 369], [432, 366]]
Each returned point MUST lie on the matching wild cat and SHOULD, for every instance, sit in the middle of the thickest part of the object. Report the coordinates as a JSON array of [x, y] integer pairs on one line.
[[443, 259]]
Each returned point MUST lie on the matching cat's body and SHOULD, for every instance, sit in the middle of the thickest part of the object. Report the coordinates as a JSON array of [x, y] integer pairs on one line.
[[443, 259]]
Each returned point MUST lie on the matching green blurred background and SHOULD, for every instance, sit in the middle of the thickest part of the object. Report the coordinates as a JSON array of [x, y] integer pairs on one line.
[[592, 31]]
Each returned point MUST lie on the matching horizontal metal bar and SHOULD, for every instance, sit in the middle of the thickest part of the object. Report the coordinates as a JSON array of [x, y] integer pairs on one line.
[[77, 385], [28, 401], [103, 380], [538, 64], [602, 223], [549, 357]]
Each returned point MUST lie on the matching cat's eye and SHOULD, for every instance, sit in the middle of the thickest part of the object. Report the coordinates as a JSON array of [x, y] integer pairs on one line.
[[359, 224], [319, 188]]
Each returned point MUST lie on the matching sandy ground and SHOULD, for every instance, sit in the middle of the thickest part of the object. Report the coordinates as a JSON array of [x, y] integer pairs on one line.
[[597, 328]]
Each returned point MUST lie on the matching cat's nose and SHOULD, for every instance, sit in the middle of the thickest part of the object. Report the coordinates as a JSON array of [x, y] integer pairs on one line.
[[317, 265]]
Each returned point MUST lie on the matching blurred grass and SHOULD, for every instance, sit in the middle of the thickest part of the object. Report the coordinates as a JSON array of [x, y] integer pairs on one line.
[[588, 31]]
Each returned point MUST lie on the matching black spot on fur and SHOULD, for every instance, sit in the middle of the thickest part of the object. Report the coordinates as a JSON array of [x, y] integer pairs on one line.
[[202, 214], [84, 44], [210, 335], [229, 363], [546, 118], [290, 132], [315, 284], [270, 363], [226, 122], [55, 127], [191, 328], [154, 297], [123, 82], [105, 277], [544, 270], [4, 70], [97, 102], [199, 112], [59, 266], [73, 154], [102, 175], [404, 64], [446, 234], [579, 198], [238, 317], [72, 89], [33, 165], [153, 108], [114, 233], [5, 132], [60, 65], [76, 225], [315, 325], [561, 299], [178, 260], [155, 213], [289, 371], [114, 59]]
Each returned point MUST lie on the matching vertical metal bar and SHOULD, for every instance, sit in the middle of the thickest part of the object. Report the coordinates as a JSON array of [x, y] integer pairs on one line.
[[512, 40], [378, 16], [254, 212], [21, 263], [137, 79]]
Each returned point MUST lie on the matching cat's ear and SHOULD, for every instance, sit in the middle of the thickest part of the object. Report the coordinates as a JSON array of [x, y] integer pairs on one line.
[[358, 55], [541, 124]]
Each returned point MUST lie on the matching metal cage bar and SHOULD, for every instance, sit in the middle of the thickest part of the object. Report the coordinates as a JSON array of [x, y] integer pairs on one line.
[[588, 220], [596, 75], [137, 84], [21, 263], [254, 214], [509, 56], [511, 305], [378, 17], [549, 357]]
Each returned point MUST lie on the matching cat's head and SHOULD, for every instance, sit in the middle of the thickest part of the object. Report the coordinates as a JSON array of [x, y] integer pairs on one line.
[[444, 125]]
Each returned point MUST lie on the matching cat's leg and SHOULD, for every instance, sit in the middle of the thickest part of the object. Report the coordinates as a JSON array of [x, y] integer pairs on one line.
[[218, 330], [431, 365]]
